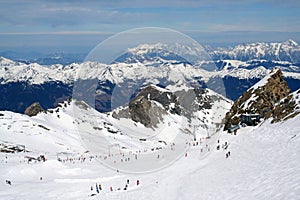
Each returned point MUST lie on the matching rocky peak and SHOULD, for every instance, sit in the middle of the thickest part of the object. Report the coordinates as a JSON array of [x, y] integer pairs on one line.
[[152, 103], [149, 106], [260, 99], [33, 109]]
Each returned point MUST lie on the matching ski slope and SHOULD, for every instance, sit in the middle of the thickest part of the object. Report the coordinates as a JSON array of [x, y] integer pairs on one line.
[[264, 163]]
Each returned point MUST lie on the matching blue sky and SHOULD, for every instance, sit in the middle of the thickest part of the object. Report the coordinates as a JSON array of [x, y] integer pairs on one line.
[[78, 26]]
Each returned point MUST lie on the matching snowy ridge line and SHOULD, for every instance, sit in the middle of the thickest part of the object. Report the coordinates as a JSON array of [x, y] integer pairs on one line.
[[284, 51], [11, 71]]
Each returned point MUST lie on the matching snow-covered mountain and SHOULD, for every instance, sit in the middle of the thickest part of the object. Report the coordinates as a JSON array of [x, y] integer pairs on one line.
[[150, 54], [187, 114], [284, 51], [52, 84], [198, 107], [44, 59]]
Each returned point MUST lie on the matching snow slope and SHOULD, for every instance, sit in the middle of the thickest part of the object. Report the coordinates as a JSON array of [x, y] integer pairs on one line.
[[263, 164]]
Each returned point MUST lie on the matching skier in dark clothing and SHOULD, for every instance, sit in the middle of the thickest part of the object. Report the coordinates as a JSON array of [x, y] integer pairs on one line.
[[97, 190]]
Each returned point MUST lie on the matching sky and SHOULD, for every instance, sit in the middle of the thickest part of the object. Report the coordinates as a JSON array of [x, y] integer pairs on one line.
[[78, 26]]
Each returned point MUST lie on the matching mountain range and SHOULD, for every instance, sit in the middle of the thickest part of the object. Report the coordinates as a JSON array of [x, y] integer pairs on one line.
[[156, 64], [284, 51]]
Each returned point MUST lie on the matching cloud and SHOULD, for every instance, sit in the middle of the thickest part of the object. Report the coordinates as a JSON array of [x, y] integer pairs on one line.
[[60, 33], [207, 19], [118, 15]]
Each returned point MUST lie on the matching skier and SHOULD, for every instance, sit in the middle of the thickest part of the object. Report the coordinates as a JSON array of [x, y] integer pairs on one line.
[[128, 181], [97, 190], [111, 189], [137, 182]]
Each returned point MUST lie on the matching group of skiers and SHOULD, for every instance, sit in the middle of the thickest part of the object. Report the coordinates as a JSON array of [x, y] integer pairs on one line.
[[224, 147], [98, 187]]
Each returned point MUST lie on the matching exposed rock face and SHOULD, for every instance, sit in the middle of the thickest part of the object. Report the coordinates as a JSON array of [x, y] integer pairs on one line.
[[145, 111], [33, 109], [260, 99], [153, 102], [287, 108], [149, 106]]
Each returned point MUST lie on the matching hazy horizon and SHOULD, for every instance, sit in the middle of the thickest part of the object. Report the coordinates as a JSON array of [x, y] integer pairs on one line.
[[78, 26]]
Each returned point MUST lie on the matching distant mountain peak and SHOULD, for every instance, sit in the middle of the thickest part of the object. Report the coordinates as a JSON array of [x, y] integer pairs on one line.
[[291, 42], [161, 52], [284, 51]]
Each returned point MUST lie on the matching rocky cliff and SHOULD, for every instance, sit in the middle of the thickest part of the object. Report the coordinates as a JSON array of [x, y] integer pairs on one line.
[[33, 109], [152, 103], [287, 108], [260, 99]]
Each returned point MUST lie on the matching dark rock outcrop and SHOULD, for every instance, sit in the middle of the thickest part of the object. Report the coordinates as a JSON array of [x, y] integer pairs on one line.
[[287, 108], [33, 109], [260, 99]]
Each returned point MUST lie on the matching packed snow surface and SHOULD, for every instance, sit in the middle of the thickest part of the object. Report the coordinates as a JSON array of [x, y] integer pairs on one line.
[[263, 163]]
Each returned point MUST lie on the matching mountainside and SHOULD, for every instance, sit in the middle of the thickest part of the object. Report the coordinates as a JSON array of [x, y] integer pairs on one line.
[[285, 51], [259, 99], [263, 161], [49, 85], [150, 126], [287, 108], [199, 109]]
